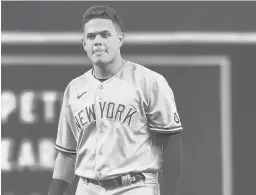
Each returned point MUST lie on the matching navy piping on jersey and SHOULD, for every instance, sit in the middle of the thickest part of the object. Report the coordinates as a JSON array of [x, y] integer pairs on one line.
[[101, 80], [62, 149], [166, 130]]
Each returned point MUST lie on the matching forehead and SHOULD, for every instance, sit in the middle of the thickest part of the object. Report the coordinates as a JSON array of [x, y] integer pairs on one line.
[[96, 25]]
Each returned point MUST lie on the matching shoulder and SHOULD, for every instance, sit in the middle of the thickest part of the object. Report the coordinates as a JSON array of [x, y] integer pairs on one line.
[[77, 83], [145, 73], [82, 79]]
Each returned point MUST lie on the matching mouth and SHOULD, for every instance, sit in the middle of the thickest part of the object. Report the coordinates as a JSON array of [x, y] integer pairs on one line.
[[99, 52]]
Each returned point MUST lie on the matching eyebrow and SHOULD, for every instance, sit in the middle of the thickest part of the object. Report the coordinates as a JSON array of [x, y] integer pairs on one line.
[[99, 32]]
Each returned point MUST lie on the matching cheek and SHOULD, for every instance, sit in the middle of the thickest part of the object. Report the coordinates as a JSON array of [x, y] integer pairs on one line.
[[114, 47]]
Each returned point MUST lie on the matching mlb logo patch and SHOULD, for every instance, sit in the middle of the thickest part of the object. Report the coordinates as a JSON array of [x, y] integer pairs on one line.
[[176, 118]]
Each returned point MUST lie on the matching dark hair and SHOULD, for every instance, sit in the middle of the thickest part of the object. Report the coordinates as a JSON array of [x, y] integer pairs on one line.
[[103, 12]]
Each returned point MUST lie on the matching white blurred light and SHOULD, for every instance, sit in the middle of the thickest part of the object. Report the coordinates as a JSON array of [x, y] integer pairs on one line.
[[49, 98], [6, 153], [8, 104], [46, 153], [133, 38], [27, 106], [26, 155]]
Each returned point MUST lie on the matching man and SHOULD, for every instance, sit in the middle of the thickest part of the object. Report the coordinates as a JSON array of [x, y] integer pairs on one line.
[[115, 119]]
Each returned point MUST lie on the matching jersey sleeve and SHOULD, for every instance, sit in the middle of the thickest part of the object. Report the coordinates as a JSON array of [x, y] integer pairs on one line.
[[65, 141], [162, 112]]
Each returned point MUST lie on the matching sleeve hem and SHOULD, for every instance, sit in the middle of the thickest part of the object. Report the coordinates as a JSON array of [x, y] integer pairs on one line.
[[166, 130], [66, 150]]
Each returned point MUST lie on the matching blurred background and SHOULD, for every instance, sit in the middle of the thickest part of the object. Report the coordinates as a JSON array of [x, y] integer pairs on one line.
[[206, 51]]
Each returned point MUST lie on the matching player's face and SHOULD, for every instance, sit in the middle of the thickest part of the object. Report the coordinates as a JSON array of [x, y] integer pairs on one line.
[[102, 41]]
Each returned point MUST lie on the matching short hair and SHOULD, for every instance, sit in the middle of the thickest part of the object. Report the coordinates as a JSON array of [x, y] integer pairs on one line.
[[101, 12]]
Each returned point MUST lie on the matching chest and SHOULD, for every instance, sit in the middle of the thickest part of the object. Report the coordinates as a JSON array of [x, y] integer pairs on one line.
[[114, 92], [116, 101]]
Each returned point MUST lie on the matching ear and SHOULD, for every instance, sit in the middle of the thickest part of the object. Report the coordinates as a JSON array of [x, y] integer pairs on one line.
[[121, 38], [84, 44]]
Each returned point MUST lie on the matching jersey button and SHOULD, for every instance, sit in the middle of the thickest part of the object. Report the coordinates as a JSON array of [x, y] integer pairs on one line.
[[101, 87], [100, 153], [101, 98], [101, 131]]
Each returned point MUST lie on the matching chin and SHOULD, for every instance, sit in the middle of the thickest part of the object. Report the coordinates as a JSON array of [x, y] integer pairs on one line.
[[100, 62]]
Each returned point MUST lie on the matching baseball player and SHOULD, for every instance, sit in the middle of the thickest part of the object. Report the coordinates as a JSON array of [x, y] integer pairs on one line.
[[115, 119]]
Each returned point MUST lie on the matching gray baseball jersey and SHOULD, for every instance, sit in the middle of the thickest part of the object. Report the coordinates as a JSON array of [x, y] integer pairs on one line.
[[109, 125]]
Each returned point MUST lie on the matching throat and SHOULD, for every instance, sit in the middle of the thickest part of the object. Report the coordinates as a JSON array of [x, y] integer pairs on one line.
[[104, 73], [100, 79]]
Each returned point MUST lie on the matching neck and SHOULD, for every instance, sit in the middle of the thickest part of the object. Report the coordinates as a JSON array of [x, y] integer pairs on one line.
[[103, 71]]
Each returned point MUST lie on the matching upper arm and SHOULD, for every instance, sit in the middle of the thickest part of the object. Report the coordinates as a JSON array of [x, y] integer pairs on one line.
[[66, 141], [63, 173], [172, 161], [162, 112], [172, 141], [64, 168]]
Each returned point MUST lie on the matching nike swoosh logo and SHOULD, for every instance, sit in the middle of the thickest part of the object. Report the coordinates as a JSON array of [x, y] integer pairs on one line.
[[80, 95]]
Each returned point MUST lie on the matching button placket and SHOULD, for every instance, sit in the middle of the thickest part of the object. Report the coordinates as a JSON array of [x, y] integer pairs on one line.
[[99, 174], [99, 138], [100, 92], [100, 133], [101, 87], [98, 146]]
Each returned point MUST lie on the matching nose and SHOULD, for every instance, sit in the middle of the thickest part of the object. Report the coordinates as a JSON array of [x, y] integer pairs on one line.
[[98, 41]]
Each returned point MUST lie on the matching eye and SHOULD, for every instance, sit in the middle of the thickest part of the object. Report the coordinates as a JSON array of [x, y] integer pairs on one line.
[[90, 36], [105, 35]]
